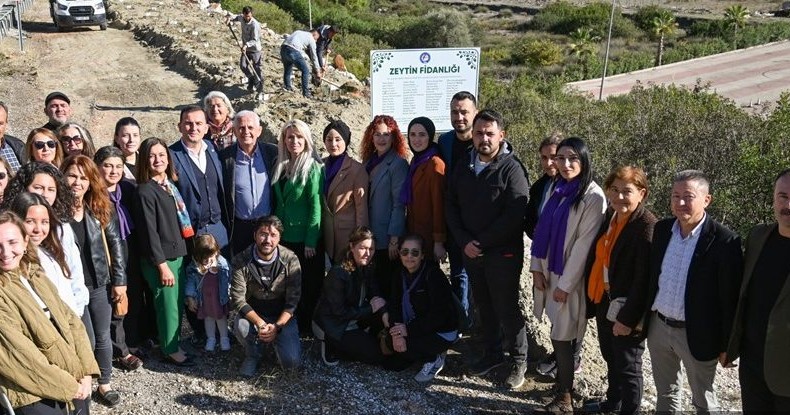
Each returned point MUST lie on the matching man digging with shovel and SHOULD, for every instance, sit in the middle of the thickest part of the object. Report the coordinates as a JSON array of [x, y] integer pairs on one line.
[[250, 61]]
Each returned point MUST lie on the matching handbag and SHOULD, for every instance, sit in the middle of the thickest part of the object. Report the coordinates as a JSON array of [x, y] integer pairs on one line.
[[121, 307]]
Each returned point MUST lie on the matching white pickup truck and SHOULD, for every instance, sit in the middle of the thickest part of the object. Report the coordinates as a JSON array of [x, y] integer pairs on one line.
[[73, 13]]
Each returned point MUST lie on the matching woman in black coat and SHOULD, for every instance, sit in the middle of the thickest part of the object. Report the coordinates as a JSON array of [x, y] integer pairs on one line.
[[618, 275], [348, 313], [422, 312]]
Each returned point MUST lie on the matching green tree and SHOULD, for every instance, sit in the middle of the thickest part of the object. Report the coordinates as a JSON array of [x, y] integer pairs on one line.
[[538, 53], [664, 25], [583, 46], [736, 17]]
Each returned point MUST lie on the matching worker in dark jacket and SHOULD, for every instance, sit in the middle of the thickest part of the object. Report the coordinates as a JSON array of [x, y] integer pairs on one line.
[[486, 202]]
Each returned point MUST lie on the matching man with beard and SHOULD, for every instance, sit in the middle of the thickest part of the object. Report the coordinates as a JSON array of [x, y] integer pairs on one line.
[[486, 201], [454, 147], [761, 334], [57, 107], [265, 290]]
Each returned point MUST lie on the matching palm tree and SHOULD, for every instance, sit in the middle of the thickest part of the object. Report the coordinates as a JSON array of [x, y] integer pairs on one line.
[[664, 25], [736, 17], [583, 47]]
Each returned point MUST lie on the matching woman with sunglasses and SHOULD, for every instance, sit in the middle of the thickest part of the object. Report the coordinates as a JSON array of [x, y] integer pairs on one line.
[[350, 312], [97, 231], [422, 314], [76, 140], [43, 145], [563, 236], [5, 176]]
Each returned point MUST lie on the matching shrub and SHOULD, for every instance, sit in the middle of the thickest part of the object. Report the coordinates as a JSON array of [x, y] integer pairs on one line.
[[538, 53], [275, 18], [355, 47], [506, 13], [436, 29], [645, 15], [564, 18]]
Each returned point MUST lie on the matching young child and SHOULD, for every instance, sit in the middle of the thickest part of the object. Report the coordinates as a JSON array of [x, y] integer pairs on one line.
[[206, 292]]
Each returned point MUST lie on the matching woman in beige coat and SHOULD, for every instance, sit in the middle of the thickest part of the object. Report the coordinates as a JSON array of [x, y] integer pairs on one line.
[[345, 189], [46, 359], [565, 232]]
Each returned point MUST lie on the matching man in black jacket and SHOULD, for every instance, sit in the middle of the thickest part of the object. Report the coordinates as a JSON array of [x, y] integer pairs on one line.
[[12, 149], [695, 274], [486, 201]]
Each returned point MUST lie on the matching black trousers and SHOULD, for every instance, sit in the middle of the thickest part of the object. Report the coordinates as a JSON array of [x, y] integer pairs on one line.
[[495, 288], [312, 283], [242, 236], [50, 407], [100, 312], [139, 324], [425, 348], [623, 356], [755, 395], [383, 269], [358, 345]]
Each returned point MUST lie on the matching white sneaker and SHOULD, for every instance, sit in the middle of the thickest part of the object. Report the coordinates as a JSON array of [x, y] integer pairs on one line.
[[430, 369], [211, 344], [224, 344]]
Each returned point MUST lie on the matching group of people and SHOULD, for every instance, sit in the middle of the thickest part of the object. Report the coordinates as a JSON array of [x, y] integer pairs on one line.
[[97, 245], [313, 43]]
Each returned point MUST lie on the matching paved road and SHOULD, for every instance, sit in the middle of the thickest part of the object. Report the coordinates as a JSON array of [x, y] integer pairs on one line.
[[745, 76]]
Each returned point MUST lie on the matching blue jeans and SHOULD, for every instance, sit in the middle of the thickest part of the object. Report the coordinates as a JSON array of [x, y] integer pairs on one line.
[[291, 57], [458, 276], [286, 344]]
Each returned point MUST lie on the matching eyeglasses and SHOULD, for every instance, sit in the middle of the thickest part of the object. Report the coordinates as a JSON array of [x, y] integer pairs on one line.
[[76, 139], [3, 175], [39, 145], [414, 252], [563, 159]]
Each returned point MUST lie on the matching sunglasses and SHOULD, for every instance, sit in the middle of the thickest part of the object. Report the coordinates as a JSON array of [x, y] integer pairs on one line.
[[414, 252], [3, 175], [39, 145], [76, 139]]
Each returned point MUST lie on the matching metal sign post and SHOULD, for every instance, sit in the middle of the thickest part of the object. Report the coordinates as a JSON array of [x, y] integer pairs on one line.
[[18, 12]]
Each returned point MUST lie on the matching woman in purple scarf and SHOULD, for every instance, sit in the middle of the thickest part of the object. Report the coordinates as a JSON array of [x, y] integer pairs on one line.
[[423, 190], [564, 234]]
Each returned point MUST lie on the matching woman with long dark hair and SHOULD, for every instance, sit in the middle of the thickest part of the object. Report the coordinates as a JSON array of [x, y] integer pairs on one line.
[[563, 236], [163, 224], [47, 364], [384, 157], [97, 231]]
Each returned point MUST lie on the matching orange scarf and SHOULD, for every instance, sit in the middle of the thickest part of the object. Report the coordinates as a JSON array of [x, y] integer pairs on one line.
[[599, 275]]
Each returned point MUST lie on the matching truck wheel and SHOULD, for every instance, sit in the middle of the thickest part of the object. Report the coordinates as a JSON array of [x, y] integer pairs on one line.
[[103, 26]]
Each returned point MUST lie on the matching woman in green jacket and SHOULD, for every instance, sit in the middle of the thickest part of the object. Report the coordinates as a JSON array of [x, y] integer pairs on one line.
[[297, 194], [46, 360]]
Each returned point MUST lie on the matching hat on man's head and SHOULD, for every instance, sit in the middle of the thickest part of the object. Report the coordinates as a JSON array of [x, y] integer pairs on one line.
[[58, 95]]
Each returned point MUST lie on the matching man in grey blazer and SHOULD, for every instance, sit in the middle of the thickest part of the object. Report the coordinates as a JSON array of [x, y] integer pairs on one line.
[[761, 333]]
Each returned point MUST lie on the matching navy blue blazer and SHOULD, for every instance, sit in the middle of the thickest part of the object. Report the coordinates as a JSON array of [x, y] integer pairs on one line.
[[187, 182]]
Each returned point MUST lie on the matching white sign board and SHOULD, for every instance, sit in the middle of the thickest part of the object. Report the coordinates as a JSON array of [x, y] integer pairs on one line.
[[409, 83]]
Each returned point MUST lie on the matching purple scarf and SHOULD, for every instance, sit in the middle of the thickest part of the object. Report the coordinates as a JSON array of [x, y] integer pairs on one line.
[[553, 224], [374, 161], [407, 310], [332, 165], [406, 194], [124, 218]]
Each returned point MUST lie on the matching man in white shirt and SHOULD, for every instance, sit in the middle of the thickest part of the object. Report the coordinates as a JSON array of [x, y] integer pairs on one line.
[[291, 54]]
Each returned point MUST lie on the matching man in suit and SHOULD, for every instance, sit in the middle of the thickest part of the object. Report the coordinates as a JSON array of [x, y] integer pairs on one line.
[[764, 341], [695, 274], [486, 200], [200, 185], [12, 149], [248, 166], [200, 180]]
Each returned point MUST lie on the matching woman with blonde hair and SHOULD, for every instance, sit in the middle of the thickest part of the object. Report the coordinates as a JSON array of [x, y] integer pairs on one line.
[[296, 184]]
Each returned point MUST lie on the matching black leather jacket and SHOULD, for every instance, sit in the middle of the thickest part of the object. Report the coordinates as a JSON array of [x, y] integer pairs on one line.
[[108, 270]]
